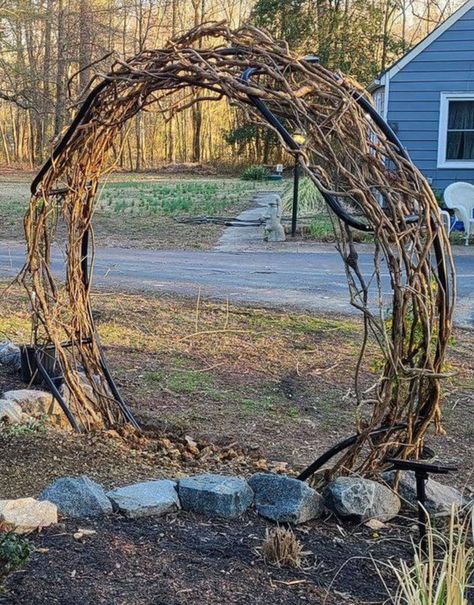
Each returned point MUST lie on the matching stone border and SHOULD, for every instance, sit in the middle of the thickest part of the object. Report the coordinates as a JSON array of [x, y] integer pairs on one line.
[[278, 498]]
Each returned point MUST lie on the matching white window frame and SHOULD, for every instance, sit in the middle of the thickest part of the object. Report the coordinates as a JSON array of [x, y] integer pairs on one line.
[[379, 100], [445, 99]]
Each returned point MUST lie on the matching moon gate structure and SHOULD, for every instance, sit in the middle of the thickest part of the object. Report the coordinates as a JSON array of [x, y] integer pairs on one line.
[[354, 159]]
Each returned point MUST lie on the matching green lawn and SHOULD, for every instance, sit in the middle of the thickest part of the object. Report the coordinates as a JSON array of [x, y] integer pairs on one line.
[[140, 210]]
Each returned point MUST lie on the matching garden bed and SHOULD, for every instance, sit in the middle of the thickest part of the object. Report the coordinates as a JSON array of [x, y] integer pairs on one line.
[[139, 210], [187, 559]]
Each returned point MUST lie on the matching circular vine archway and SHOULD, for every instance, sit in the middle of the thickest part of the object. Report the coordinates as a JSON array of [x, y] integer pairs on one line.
[[353, 158]]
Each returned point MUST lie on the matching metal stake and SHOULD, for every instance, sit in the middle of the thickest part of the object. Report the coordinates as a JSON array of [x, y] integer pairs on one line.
[[421, 478]]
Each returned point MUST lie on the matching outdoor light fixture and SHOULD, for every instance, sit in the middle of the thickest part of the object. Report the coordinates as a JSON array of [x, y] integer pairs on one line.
[[299, 137]]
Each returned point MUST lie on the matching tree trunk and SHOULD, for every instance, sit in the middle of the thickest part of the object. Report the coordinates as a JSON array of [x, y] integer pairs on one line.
[[199, 12], [61, 69], [85, 43], [46, 100]]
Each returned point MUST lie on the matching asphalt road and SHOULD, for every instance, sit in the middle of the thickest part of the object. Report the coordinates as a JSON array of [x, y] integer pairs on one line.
[[305, 280]]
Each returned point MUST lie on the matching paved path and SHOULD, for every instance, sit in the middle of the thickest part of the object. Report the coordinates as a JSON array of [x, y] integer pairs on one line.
[[310, 279]]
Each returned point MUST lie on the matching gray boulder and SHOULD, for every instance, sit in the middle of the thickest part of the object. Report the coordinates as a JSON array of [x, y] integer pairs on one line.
[[10, 355], [285, 500], [215, 495], [10, 412], [361, 499], [439, 497], [40, 405], [78, 497], [147, 499]]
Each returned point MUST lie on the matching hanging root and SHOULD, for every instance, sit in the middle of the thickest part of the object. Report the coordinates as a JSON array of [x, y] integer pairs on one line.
[[346, 155]]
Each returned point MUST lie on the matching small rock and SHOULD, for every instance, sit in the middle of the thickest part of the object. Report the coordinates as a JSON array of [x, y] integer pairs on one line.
[[439, 497], [10, 412], [27, 514], [215, 495], [82, 533], [38, 404], [229, 454], [361, 499], [192, 446], [78, 497], [10, 356], [279, 467], [261, 464], [375, 524], [166, 443], [206, 452], [150, 498], [285, 500], [190, 441], [174, 454]]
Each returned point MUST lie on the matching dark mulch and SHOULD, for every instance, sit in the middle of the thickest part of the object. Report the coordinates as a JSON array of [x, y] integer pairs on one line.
[[185, 560]]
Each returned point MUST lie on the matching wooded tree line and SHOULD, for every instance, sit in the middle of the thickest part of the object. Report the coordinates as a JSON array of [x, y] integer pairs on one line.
[[49, 50]]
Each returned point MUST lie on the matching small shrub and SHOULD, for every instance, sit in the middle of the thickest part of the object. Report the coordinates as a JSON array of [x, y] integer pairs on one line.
[[255, 173], [282, 548], [32, 425], [15, 551]]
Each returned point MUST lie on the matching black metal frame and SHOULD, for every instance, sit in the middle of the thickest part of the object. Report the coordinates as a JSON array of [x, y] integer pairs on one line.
[[331, 201], [422, 471], [349, 220]]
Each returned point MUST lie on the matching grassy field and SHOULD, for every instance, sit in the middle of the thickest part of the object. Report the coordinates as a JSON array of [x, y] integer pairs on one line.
[[134, 212]]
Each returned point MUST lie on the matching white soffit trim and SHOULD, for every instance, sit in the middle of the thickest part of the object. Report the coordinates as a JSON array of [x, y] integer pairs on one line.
[[435, 34]]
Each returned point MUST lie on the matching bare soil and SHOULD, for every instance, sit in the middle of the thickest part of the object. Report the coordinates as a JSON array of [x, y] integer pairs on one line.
[[186, 559]]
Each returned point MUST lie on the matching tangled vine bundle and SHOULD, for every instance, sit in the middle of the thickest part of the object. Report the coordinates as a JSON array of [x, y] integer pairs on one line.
[[348, 156]]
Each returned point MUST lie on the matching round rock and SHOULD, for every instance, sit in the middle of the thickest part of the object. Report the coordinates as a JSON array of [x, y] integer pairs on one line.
[[215, 495], [78, 497], [146, 499], [361, 499], [27, 514], [284, 499], [439, 497]]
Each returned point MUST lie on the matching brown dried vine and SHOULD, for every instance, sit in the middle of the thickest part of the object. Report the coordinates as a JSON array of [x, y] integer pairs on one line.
[[345, 154]]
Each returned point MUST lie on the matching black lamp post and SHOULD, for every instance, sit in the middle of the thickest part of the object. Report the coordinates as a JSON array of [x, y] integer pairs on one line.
[[300, 139]]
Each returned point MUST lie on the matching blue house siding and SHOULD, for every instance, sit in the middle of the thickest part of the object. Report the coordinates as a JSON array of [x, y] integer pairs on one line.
[[446, 65]]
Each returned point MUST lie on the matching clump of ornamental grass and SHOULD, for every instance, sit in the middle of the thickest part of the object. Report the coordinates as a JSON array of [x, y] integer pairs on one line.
[[310, 200], [282, 548], [443, 575]]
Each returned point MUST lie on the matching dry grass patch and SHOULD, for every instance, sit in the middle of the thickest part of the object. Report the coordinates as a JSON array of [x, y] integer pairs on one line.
[[282, 548]]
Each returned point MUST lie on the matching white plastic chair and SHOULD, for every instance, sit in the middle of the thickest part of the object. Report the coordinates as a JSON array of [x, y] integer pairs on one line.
[[460, 198], [446, 220]]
